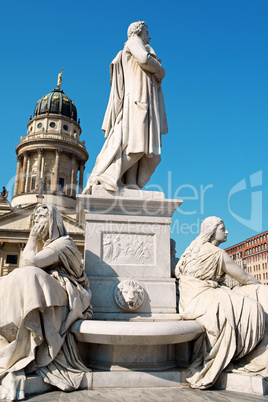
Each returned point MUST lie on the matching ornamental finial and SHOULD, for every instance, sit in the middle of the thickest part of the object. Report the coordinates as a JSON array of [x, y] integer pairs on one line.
[[60, 79]]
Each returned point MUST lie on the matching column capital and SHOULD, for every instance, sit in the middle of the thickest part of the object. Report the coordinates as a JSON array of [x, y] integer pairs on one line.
[[21, 246]]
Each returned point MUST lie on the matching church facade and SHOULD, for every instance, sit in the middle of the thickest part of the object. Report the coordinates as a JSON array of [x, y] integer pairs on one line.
[[50, 167]]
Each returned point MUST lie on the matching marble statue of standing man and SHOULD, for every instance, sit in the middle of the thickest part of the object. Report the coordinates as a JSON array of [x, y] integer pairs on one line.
[[135, 117]]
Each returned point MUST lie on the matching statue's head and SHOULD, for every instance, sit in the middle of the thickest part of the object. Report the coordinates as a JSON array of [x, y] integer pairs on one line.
[[51, 219], [139, 28], [210, 226]]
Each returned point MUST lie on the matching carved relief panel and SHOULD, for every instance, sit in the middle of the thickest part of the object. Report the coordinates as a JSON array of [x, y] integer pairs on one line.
[[125, 248]]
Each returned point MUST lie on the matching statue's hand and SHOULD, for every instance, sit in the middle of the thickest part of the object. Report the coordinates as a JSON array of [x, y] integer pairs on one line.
[[159, 75], [38, 231]]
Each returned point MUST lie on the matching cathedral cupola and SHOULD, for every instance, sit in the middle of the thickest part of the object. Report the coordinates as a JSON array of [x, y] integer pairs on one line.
[[56, 102], [51, 154]]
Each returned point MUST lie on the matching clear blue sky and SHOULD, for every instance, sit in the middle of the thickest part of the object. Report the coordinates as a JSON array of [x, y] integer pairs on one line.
[[216, 94]]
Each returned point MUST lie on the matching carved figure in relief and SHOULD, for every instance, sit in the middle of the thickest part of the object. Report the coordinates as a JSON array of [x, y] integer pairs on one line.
[[107, 248], [235, 321], [125, 247], [39, 302], [135, 117], [129, 295]]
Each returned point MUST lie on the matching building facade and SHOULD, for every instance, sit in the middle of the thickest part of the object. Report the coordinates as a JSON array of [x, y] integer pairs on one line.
[[51, 155], [50, 167], [252, 256]]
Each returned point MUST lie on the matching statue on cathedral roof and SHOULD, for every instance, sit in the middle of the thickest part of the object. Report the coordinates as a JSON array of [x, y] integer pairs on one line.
[[4, 193], [60, 79]]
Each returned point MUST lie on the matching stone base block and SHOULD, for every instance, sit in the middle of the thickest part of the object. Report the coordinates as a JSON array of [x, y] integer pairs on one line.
[[104, 296], [35, 385], [137, 379], [175, 378], [244, 382]]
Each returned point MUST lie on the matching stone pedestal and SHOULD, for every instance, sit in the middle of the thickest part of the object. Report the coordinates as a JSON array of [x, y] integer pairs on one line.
[[127, 254], [127, 260]]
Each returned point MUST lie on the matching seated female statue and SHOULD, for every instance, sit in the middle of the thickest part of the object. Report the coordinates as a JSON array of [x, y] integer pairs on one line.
[[235, 321], [39, 302]]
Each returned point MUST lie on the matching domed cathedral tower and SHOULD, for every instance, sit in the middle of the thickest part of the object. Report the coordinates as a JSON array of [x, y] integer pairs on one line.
[[51, 154]]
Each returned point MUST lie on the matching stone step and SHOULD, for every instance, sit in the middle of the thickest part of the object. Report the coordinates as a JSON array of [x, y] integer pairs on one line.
[[243, 383]]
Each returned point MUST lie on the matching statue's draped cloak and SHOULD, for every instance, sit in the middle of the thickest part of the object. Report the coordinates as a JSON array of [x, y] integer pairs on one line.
[[135, 116], [37, 309], [234, 320]]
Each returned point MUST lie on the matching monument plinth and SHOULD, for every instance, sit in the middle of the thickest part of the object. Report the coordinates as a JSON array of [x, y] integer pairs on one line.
[[127, 260], [127, 257]]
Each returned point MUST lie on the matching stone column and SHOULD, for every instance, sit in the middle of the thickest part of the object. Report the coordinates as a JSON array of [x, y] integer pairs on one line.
[[21, 248], [1, 258], [73, 178], [56, 170], [23, 178], [81, 176], [42, 166], [27, 178], [38, 171], [17, 179]]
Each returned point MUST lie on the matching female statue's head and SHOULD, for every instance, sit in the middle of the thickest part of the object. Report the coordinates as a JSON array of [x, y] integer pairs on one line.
[[212, 231], [136, 28], [51, 218], [209, 227]]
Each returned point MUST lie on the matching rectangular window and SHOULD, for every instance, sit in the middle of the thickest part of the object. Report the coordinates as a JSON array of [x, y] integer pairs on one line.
[[33, 183], [61, 184], [12, 259]]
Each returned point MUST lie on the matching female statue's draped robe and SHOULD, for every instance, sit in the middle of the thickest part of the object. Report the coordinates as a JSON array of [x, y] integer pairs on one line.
[[37, 308], [234, 320]]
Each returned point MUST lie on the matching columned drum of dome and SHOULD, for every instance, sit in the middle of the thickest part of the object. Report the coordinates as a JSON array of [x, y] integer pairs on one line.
[[51, 155]]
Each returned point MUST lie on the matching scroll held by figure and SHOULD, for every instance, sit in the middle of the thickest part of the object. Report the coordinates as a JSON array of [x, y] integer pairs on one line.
[[135, 117], [39, 302], [235, 321]]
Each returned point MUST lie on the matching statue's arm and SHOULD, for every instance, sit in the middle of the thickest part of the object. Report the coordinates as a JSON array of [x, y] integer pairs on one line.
[[147, 62], [232, 269], [41, 259], [44, 259]]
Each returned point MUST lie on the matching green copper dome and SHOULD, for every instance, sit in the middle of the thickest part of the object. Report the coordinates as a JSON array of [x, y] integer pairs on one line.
[[56, 102]]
